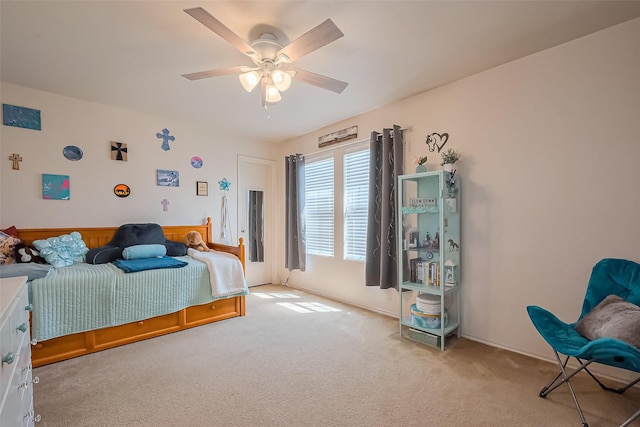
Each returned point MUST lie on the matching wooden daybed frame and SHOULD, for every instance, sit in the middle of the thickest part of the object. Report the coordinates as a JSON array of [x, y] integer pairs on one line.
[[74, 345]]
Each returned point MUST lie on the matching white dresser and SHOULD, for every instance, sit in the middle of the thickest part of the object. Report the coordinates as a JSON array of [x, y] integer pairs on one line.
[[16, 383]]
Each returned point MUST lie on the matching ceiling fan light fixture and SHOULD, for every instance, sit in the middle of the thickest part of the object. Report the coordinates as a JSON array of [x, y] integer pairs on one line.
[[272, 94], [281, 79], [249, 80]]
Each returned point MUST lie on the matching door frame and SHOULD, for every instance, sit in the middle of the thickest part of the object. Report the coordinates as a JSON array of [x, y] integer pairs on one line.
[[271, 223]]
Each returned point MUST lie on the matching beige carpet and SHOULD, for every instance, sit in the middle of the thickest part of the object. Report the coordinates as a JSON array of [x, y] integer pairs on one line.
[[311, 367]]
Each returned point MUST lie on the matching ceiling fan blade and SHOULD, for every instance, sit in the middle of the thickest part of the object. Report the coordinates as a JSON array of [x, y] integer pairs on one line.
[[319, 80], [215, 73], [220, 29], [313, 39]]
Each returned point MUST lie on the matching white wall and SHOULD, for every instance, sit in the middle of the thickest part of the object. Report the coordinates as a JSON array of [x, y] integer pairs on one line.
[[549, 177], [91, 126]]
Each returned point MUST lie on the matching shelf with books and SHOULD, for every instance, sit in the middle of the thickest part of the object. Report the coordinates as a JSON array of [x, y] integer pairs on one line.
[[429, 266], [406, 210], [428, 289]]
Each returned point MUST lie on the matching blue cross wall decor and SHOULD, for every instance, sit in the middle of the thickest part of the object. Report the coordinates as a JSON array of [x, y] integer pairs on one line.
[[165, 139]]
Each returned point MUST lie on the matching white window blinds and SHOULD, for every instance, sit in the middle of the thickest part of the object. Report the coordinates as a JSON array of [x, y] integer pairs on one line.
[[356, 203], [318, 207]]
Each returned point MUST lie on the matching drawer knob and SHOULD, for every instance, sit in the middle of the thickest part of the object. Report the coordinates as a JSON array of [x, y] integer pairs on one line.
[[26, 385], [32, 416], [29, 307], [8, 358], [23, 328], [140, 323], [33, 341], [213, 307]]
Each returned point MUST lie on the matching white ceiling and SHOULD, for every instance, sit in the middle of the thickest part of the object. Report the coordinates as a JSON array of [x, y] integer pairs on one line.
[[131, 54]]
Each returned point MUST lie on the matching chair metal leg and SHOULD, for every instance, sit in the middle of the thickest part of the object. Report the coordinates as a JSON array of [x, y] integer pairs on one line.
[[628, 386], [633, 417], [604, 387], [565, 380]]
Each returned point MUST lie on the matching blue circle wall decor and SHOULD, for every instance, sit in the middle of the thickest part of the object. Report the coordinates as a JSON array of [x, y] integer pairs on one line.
[[71, 152]]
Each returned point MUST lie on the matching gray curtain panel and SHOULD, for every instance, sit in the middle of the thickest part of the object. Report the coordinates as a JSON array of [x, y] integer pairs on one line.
[[256, 232], [295, 251], [386, 164]]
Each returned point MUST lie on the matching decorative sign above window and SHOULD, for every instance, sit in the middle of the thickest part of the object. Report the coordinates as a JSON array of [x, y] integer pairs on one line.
[[339, 136]]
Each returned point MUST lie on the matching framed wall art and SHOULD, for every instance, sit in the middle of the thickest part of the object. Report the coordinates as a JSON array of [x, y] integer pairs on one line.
[[202, 188], [55, 187], [21, 117], [167, 178]]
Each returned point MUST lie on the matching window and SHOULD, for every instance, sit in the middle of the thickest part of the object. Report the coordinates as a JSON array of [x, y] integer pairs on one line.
[[318, 207], [356, 203]]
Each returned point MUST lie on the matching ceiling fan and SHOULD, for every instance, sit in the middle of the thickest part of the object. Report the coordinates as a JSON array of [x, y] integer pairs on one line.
[[271, 59]]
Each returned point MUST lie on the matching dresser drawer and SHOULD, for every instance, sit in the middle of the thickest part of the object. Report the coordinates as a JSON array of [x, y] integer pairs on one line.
[[16, 394], [9, 352]]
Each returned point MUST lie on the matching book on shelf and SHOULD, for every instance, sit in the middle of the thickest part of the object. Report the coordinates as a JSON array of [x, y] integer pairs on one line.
[[433, 274], [416, 269]]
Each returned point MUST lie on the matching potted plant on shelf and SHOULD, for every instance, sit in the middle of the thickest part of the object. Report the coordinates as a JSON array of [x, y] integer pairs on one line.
[[420, 161], [449, 158]]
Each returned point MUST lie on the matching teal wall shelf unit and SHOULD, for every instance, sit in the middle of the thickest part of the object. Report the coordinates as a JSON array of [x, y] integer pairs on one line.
[[429, 241]]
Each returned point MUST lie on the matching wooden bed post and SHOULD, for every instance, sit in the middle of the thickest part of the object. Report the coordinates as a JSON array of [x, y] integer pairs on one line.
[[209, 231], [241, 255]]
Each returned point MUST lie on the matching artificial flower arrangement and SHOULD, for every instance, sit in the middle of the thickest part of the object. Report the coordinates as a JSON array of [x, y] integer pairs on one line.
[[450, 156], [421, 160]]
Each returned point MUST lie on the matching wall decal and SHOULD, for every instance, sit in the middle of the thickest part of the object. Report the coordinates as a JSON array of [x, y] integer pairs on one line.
[[73, 153], [435, 140], [165, 139], [196, 162], [339, 136], [202, 188], [166, 178], [119, 151], [20, 117], [55, 187], [165, 205], [16, 159], [225, 223], [122, 190], [224, 184]]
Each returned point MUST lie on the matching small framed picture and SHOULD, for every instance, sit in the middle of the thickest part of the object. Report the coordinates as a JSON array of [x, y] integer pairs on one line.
[[167, 178], [202, 188]]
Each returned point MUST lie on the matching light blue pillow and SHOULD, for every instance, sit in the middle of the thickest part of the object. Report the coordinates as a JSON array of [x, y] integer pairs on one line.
[[144, 251], [63, 250], [32, 270]]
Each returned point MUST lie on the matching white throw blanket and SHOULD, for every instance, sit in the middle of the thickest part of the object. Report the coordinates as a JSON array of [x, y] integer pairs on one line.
[[225, 272]]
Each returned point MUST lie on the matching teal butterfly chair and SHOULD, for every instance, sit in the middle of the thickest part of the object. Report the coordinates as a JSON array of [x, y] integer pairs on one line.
[[609, 276]]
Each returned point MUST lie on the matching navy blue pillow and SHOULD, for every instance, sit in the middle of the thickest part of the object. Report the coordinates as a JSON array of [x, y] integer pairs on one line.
[[134, 234], [103, 254]]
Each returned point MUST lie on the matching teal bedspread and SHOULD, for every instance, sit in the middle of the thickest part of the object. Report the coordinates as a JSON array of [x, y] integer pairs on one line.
[[82, 297]]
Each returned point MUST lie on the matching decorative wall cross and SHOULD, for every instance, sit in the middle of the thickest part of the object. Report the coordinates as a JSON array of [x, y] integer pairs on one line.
[[165, 139], [118, 151], [165, 204], [16, 159]]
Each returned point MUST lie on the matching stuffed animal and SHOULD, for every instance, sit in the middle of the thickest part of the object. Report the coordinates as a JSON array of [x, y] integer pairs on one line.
[[25, 253], [193, 240]]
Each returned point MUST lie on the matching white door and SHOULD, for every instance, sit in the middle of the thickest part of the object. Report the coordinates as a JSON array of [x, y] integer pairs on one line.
[[256, 175]]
